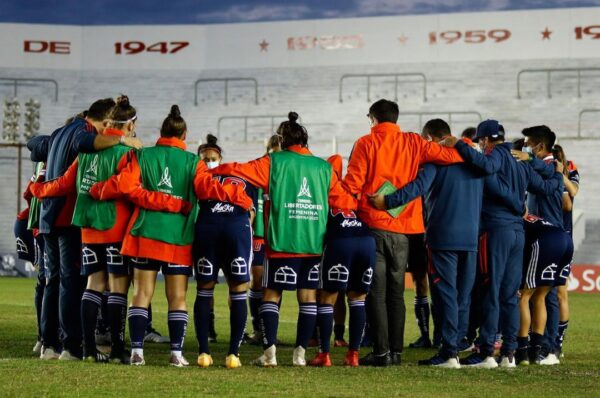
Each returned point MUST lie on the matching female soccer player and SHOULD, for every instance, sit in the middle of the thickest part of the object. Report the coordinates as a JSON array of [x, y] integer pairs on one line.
[[258, 258], [300, 187], [103, 228], [347, 266], [223, 241], [163, 241]]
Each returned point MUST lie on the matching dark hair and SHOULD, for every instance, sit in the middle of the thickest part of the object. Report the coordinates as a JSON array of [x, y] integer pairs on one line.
[[81, 115], [385, 111], [122, 113], [211, 143], [292, 133], [541, 134], [518, 144], [173, 125], [469, 133], [437, 128], [559, 154], [273, 142], [100, 109]]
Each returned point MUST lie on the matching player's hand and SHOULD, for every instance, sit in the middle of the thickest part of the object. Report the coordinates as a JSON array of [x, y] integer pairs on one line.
[[186, 207], [560, 167], [41, 177], [519, 155], [449, 141], [133, 142], [96, 189], [377, 201]]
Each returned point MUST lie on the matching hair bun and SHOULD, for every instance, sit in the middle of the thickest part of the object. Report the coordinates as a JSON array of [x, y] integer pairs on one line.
[[211, 139], [123, 101], [292, 117], [175, 112]]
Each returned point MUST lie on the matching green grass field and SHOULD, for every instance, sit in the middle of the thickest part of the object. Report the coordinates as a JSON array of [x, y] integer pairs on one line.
[[22, 374]]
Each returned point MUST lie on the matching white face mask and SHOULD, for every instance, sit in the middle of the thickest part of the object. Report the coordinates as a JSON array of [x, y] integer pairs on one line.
[[528, 149], [212, 165]]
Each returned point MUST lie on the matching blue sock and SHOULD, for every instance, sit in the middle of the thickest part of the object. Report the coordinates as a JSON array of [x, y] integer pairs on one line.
[[138, 321], [358, 319], [269, 318], [202, 318], [177, 321], [238, 312], [255, 299], [307, 319], [422, 315], [325, 323], [562, 330], [117, 315], [91, 301]]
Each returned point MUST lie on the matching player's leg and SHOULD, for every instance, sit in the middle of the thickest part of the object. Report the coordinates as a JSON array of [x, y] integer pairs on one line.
[[49, 322], [339, 322], [144, 282], [94, 268], [256, 290], [176, 284], [119, 280], [522, 356], [417, 266], [538, 324], [307, 302], [563, 292], [327, 300]]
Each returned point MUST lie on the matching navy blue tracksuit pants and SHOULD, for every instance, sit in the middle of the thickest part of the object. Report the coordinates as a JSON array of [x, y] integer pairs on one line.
[[501, 262], [451, 276]]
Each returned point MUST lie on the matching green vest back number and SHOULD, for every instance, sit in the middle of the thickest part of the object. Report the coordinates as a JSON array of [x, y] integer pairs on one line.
[[93, 168], [33, 221], [299, 192], [168, 170], [259, 221]]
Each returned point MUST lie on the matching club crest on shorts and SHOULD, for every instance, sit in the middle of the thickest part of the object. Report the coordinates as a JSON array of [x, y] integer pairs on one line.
[[286, 275], [367, 277], [304, 189], [113, 256], [313, 274], [21, 246], [88, 256], [549, 273], [204, 267], [165, 180], [338, 273], [239, 266]]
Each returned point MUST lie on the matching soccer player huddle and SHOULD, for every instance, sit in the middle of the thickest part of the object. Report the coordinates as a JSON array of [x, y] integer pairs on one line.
[[484, 225]]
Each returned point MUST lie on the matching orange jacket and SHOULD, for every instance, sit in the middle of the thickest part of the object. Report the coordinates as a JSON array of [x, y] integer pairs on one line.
[[129, 181], [66, 185], [257, 173], [389, 154]]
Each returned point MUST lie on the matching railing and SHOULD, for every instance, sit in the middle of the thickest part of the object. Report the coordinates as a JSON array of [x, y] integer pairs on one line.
[[226, 86], [449, 113], [583, 112], [246, 118], [549, 72], [16, 80], [396, 77]]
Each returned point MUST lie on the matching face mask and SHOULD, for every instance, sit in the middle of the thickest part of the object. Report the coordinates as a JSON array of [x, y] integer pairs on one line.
[[528, 149], [212, 165], [478, 149]]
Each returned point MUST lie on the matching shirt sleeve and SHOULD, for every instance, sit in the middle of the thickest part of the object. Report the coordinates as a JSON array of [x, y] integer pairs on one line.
[[574, 176], [83, 141], [546, 170], [39, 146], [356, 174], [207, 188], [432, 152], [418, 187], [488, 164], [256, 172], [537, 185], [339, 198], [60, 186], [123, 183]]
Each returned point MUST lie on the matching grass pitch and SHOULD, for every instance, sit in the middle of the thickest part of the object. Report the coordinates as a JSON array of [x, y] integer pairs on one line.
[[22, 374]]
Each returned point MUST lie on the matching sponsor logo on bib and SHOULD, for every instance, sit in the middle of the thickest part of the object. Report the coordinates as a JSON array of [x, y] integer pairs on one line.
[[165, 180]]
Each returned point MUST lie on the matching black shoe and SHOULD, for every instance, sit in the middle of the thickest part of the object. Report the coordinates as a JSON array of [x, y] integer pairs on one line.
[[535, 354], [421, 342], [123, 357], [396, 358], [375, 360], [522, 356]]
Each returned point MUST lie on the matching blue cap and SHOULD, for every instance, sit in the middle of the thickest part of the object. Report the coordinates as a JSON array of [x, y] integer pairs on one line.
[[489, 128]]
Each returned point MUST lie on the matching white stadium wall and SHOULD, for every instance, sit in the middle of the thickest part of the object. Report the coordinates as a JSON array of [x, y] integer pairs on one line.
[[467, 65]]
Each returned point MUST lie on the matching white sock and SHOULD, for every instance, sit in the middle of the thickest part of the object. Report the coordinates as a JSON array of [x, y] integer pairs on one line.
[[178, 354], [138, 351]]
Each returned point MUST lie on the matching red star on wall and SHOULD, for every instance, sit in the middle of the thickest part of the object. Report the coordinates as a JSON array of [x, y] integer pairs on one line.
[[546, 34], [402, 39], [264, 46]]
